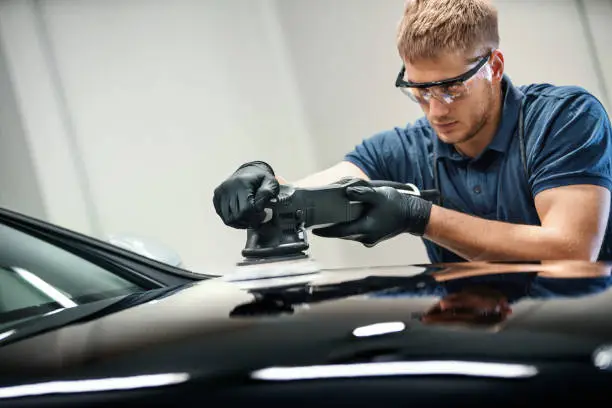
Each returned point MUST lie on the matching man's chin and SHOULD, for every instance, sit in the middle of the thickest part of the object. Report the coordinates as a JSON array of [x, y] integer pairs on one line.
[[452, 137], [452, 131]]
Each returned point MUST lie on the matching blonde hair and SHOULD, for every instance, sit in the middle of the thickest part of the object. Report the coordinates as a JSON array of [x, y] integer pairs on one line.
[[432, 27]]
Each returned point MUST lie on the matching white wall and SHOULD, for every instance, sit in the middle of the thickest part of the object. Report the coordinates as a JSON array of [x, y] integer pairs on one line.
[[165, 100], [30, 108], [133, 111], [20, 187], [599, 14], [544, 41]]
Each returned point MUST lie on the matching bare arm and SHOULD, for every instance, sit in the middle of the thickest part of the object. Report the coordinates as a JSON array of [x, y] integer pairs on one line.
[[573, 219], [330, 175]]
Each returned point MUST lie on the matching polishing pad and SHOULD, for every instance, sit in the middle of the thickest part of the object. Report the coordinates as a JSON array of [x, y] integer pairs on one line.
[[282, 271]]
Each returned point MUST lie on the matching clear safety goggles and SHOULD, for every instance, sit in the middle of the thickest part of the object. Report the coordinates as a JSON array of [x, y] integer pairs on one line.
[[446, 91]]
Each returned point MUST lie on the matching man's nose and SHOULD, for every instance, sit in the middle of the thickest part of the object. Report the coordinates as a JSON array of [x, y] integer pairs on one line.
[[438, 109]]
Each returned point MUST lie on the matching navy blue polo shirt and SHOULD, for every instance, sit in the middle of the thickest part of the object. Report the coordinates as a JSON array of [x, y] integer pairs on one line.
[[568, 140]]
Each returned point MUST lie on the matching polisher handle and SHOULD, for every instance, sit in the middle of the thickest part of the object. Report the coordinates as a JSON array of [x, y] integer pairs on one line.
[[327, 205]]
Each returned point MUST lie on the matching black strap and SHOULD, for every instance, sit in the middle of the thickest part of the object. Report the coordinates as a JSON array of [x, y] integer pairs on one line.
[[440, 199], [522, 142]]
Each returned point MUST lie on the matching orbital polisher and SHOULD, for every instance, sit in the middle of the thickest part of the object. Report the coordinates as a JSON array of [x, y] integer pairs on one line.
[[278, 247]]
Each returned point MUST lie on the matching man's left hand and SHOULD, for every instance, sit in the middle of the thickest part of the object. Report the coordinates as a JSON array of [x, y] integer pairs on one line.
[[388, 213]]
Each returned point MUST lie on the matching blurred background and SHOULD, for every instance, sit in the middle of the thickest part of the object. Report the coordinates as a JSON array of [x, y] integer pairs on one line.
[[122, 116]]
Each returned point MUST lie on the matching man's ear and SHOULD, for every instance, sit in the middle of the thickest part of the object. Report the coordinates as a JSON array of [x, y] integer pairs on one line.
[[497, 65]]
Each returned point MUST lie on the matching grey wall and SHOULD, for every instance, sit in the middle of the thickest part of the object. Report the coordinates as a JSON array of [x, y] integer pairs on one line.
[[598, 26], [122, 116], [19, 185]]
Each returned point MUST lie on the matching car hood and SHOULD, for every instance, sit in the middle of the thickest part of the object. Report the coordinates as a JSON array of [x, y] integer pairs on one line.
[[474, 312]]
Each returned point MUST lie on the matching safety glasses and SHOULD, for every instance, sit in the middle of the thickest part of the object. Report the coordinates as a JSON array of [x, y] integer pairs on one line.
[[446, 91]]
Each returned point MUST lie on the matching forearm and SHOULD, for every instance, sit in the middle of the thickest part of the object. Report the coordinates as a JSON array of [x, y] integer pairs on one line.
[[312, 180], [478, 239], [331, 175]]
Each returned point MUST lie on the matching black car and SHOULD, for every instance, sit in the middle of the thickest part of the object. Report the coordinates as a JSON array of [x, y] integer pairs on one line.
[[84, 323]]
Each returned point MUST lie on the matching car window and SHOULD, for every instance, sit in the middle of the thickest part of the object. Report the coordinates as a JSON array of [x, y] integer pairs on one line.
[[37, 277]]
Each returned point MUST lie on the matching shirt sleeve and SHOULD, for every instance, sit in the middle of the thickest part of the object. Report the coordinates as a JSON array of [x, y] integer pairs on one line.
[[399, 155], [575, 147]]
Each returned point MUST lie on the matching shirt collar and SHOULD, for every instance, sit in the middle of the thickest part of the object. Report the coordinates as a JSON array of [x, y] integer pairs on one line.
[[505, 130]]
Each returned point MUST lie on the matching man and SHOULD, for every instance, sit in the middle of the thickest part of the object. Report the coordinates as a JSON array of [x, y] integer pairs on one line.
[[524, 172]]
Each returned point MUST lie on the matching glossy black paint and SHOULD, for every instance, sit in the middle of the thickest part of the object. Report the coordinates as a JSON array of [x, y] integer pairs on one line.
[[215, 335]]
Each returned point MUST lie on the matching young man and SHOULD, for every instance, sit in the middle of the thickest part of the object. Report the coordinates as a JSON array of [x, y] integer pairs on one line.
[[524, 172]]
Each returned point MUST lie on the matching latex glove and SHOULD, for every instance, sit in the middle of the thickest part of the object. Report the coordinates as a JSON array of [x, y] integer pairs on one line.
[[240, 200], [390, 213]]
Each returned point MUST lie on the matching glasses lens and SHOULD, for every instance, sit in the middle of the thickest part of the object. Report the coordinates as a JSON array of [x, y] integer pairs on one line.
[[416, 95], [451, 93], [445, 94]]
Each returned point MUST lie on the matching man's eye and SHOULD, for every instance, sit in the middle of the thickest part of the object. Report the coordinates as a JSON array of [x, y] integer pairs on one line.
[[453, 89]]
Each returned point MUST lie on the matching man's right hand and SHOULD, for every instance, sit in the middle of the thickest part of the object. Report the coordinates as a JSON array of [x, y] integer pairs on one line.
[[240, 200]]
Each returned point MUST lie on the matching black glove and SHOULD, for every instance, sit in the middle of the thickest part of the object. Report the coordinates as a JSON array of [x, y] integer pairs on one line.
[[240, 200], [390, 213]]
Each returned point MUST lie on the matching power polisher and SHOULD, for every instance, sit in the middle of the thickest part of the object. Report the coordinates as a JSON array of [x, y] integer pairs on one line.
[[280, 242]]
